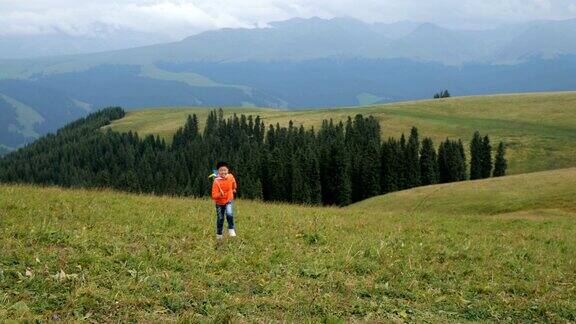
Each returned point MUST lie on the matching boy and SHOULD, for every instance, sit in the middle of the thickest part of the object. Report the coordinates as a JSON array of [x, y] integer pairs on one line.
[[223, 190]]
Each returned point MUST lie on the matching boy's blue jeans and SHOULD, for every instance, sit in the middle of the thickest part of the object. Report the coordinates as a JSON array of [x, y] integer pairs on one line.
[[220, 212]]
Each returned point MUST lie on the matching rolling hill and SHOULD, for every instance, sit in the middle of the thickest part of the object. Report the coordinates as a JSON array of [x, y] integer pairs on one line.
[[538, 129], [474, 251], [30, 110], [509, 196]]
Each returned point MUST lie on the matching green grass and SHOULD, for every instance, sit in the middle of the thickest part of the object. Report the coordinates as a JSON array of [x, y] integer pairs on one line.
[[108, 256], [193, 79], [539, 129], [518, 193]]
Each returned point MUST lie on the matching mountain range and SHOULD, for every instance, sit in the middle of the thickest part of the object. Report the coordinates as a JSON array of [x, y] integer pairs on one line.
[[101, 39], [292, 64]]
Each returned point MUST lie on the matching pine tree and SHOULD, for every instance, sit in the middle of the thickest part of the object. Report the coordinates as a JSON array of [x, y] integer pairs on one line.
[[428, 163], [324, 143], [276, 166], [353, 142], [444, 174], [103, 179], [363, 144], [476, 156], [145, 170], [181, 173], [248, 173], [299, 191], [186, 135], [265, 174], [341, 167], [461, 161], [451, 161], [131, 181], [390, 166], [411, 160], [313, 177], [334, 165], [402, 168], [442, 94], [500, 163], [371, 170], [486, 158], [170, 184]]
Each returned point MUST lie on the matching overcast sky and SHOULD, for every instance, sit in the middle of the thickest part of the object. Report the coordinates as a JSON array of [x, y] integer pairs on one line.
[[176, 19]]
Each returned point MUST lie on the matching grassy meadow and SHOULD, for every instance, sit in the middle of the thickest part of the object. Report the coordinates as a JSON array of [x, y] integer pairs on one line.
[[496, 250], [539, 129]]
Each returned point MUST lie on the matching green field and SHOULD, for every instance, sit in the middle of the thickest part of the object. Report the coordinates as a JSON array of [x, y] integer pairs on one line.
[[497, 250], [539, 129]]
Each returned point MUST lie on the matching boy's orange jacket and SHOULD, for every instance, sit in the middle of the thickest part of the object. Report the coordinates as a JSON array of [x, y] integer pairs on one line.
[[227, 185]]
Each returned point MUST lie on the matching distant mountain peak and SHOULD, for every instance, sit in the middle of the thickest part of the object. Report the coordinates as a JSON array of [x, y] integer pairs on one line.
[[431, 28], [318, 21]]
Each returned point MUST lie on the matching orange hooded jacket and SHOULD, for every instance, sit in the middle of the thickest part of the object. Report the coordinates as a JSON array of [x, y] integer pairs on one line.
[[223, 189]]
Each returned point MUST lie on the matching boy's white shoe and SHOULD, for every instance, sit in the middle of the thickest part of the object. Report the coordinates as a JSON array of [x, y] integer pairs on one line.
[[219, 236], [231, 232]]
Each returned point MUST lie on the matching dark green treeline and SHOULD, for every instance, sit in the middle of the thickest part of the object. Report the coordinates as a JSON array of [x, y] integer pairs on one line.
[[339, 164], [481, 166]]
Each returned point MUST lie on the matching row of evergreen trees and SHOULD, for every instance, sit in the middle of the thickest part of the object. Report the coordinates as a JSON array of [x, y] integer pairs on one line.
[[339, 164], [442, 94], [481, 158]]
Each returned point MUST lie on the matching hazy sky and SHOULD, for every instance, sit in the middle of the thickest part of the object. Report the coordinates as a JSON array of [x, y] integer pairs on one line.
[[179, 18]]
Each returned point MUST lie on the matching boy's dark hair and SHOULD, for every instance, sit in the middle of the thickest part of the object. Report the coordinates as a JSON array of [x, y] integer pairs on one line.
[[221, 164]]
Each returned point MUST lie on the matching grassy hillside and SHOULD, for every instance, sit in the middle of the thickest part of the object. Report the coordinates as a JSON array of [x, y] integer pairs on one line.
[[30, 110], [534, 193], [539, 129], [108, 256]]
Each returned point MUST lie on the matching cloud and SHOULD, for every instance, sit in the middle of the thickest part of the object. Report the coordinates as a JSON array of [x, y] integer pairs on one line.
[[75, 18], [180, 18]]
